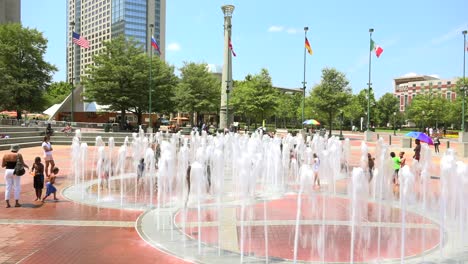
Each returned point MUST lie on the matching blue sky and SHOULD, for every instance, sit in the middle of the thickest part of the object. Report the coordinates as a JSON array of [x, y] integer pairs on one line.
[[417, 36]]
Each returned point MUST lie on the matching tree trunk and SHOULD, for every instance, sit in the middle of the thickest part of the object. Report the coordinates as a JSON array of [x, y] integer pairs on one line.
[[18, 114], [330, 118]]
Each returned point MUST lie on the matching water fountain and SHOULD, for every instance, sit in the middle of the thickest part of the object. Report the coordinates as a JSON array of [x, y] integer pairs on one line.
[[251, 198]]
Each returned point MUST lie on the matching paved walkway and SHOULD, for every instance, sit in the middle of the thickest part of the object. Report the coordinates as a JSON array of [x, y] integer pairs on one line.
[[68, 232]]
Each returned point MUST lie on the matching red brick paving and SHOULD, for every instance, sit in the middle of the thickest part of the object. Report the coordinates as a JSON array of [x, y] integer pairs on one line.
[[69, 244]]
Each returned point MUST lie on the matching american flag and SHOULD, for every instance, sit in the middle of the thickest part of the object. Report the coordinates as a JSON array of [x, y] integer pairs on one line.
[[80, 41]]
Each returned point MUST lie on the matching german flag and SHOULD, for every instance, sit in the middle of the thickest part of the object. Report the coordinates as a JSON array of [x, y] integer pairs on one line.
[[307, 46]]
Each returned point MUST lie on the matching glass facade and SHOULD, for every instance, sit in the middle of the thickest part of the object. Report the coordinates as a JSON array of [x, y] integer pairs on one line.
[[129, 17]]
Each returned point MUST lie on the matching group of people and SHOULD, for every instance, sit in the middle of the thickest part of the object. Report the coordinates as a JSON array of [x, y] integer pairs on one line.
[[14, 160], [398, 163]]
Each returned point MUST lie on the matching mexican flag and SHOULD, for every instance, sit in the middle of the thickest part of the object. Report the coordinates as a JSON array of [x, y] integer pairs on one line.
[[378, 50]]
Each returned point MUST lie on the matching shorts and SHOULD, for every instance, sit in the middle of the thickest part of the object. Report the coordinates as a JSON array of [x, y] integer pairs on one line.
[[50, 189], [39, 181], [48, 158]]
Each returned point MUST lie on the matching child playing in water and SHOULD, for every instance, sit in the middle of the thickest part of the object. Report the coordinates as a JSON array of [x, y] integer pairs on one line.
[[38, 171], [316, 170], [141, 169], [50, 184]]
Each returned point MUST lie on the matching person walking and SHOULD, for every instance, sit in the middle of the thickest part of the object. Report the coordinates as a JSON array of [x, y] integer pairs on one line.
[[417, 150], [50, 188], [11, 180], [49, 159], [436, 144], [37, 171]]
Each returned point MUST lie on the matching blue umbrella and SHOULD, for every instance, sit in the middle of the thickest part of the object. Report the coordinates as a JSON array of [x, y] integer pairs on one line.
[[421, 136]]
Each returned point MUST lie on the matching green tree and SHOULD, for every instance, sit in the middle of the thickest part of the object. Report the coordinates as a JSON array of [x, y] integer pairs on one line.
[[255, 97], [387, 105], [288, 105], [198, 90], [428, 110], [57, 92], [24, 74], [120, 79], [243, 99], [332, 94], [355, 110]]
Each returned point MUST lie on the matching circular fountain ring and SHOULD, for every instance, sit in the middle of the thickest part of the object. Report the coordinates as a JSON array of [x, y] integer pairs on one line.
[[80, 193], [163, 229]]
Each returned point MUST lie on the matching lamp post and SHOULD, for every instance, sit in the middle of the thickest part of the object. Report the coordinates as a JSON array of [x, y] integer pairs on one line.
[[72, 25], [304, 81], [464, 82], [226, 79], [422, 121], [394, 123], [150, 81], [369, 83]]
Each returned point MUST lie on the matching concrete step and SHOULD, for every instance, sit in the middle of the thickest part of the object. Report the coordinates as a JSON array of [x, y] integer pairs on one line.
[[10, 129], [16, 140], [89, 143], [22, 145], [24, 134]]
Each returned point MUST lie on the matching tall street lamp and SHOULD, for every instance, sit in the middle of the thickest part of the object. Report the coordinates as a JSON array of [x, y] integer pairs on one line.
[[422, 121], [394, 123], [226, 77], [72, 25], [463, 90], [304, 81], [150, 126]]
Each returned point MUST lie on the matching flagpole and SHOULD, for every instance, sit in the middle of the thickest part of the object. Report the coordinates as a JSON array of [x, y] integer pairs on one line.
[[369, 83], [150, 80], [304, 81], [464, 82], [72, 24]]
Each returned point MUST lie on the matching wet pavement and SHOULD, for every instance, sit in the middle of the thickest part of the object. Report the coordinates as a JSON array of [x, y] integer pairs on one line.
[[70, 232]]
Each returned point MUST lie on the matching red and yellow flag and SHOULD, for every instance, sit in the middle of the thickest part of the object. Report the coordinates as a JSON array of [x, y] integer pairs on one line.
[[307, 46]]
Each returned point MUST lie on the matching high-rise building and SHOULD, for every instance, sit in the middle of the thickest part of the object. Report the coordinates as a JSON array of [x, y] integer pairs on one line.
[[102, 20], [10, 11]]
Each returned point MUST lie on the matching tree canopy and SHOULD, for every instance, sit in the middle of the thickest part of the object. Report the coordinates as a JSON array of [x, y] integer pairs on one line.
[[255, 97], [332, 94], [120, 79], [24, 74], [198, 91], [57, 92]]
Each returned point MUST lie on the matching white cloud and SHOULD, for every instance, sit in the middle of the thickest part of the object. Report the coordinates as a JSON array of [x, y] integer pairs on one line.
[[173, 46], [410, 74], [275, 29], [291, 31]]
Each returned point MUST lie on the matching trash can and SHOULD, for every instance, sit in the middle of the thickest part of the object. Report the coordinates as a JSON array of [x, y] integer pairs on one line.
[[107, 128]]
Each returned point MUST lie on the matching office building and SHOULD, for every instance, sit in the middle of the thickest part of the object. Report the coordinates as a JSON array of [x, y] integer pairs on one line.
[[10, 11], [409, 86], [101, 20]]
